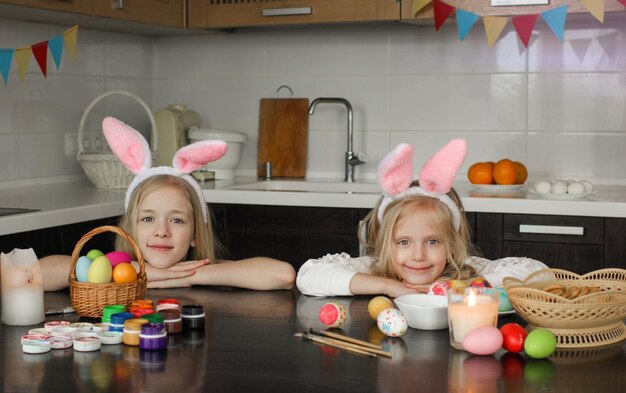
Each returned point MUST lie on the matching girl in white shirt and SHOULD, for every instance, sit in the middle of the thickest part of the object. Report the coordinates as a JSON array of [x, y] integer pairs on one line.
[[416, 235]]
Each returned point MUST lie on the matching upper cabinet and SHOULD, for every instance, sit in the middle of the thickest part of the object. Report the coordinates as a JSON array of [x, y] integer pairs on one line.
[[222, 14], [165, 13], [484, 8]]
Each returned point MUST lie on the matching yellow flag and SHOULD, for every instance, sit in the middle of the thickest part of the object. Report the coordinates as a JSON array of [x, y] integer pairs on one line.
[[418, 5], [493, 27], [595, 8], [22, 57], [69, 37]]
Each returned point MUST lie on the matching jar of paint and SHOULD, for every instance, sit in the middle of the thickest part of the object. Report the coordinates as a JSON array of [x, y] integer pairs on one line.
[[154, 317], [132, 328], [107, 311], [193, 316], [163, 304], [117, 321], [153, 337], [173, 321]]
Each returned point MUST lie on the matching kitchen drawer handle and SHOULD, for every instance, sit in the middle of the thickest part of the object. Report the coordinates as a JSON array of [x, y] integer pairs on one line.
[[288, 11], [551, 229]]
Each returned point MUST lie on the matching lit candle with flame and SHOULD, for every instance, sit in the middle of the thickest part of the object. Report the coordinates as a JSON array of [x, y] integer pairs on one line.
[[468, 309]]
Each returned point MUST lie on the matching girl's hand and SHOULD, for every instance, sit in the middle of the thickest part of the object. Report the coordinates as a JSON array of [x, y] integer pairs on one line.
[[420, 288], [179, 270], [398, 288]]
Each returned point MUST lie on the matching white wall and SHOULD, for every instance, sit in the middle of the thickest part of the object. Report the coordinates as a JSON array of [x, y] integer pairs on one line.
[[557, 106]]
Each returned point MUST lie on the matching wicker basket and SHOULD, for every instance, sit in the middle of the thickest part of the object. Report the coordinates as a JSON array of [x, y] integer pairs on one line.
[[88, 299], [591, 320], [105, 170]]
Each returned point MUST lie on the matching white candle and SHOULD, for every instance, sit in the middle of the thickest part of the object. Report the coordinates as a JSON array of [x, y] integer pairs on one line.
[[22, 288], [474, 310]]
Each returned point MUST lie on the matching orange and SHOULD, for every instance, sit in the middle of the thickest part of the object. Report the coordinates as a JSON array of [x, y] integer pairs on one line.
[[480, 173], [124, 272], [522, 172], [505, 172]]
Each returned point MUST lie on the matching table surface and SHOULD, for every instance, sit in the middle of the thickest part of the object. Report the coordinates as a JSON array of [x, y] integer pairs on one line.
[[248, 345]]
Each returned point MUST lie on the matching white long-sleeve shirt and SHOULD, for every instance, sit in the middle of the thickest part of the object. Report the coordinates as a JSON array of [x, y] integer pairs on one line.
[[331, 274]]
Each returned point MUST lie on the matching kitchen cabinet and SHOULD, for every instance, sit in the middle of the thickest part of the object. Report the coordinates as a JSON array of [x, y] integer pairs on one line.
[[165, 13], [484, 8], [224, 14]]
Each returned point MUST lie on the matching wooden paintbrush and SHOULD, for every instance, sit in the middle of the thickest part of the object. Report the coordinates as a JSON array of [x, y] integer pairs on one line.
[[334, 344]]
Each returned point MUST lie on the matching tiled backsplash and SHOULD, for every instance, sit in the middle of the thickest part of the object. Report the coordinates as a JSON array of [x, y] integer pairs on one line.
[[560, 107]]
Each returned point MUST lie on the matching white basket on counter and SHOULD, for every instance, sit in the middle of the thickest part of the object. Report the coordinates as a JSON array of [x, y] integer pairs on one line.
[[105, 170]]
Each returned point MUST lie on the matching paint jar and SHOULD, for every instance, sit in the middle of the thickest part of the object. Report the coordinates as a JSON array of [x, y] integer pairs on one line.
[[117, 321], [144, 303], [132, 328], [153, 337], [193, 316], [107, 311], [173, 321], [164, 304], [154, 317], [140, 311]]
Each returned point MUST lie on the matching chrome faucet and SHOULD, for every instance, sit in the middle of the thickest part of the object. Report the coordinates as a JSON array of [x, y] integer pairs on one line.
[[351, 159]]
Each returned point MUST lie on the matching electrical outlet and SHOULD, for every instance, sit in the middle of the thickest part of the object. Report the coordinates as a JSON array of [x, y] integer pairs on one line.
[[86, 143], [71, 144]]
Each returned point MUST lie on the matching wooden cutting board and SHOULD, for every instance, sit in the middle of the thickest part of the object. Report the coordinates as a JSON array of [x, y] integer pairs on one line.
[[283, 136]]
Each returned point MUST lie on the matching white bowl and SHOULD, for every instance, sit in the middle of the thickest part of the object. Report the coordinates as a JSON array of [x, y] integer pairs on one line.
[[425, 312]]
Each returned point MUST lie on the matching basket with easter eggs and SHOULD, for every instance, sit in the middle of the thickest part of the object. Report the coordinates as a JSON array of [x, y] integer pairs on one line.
[[98, 279], [581, 310]]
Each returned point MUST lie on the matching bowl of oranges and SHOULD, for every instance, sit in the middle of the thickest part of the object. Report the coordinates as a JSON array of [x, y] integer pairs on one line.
[[504, 174]]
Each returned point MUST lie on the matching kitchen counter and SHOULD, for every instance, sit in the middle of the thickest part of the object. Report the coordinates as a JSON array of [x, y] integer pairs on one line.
[[79, 201], [247, 345]]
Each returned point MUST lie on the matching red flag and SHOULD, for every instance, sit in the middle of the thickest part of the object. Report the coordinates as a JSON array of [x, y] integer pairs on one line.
[[442, 12], [623, 2], [524, 26], [40, 51]]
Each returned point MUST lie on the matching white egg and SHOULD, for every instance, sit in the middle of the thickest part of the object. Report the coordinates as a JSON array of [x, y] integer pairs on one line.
[[570, 181], [588, 186], [559, 187], [543, 186], [575, 188]]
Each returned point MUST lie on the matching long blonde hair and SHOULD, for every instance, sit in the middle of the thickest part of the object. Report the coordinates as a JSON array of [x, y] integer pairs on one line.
[[205, 244], [377, 238]]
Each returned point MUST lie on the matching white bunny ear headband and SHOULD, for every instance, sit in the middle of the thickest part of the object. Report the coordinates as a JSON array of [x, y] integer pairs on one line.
[[395, 174], [133, 151]]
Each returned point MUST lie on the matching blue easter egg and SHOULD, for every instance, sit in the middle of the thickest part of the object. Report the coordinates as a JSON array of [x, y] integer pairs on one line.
[[504, 303], [82, 267]]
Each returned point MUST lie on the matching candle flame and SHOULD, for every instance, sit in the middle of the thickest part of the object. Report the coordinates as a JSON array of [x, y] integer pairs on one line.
[[471, 299]]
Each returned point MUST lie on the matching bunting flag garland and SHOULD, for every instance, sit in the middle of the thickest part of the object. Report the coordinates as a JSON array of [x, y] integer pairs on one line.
[[494, 25], [40, 52]]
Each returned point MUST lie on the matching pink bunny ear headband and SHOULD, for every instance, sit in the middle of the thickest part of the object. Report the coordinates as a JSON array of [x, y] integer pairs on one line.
[[133, 151], [395, 174]]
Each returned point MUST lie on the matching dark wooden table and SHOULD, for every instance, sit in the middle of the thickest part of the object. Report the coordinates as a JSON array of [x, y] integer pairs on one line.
[[248, 346]]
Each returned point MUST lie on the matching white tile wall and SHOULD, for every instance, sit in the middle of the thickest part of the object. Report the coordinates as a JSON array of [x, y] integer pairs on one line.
[[558, 106]]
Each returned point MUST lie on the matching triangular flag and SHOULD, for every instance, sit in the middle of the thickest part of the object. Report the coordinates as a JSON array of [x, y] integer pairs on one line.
[[69, 37], [464, 22], [417, 5], [595, 8], [40, 50], [22, 57], [493, 27], [442, 12], [56, 48], [524, 26], [555, 18], [623, 2], [6, 56]]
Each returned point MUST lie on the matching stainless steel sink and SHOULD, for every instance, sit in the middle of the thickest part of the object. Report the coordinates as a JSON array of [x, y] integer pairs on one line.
[[309, 186], [7, 211]]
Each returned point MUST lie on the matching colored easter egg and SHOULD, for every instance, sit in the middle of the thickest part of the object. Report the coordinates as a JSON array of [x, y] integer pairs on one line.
[[82, 267], [484, 340], [480, 282], [333, 314], [93, 254], [504, 303], [124, 272], [391, 322], [116, 257], [439, 288], [540, 343], [457, 284], [378, 304], [513, 336], [100, 271]]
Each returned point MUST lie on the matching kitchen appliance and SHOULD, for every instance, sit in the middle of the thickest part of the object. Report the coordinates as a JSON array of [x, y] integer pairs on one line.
[[283, 136], [224, 168], [173, 124]]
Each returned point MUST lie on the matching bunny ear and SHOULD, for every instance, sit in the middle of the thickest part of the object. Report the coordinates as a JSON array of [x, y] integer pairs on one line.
[[395, 171], [128, 144], [440, 170], [196, 155]]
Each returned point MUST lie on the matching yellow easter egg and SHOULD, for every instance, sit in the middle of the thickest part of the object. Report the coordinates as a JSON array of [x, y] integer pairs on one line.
[[378, 304]]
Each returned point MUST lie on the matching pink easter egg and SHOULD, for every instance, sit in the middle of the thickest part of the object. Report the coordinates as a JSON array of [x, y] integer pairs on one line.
[[333, 314], [484, 340], [117, 257]]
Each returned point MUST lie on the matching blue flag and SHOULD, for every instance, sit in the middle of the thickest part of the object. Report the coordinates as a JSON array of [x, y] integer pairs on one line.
[[6, 56], [555, 18], [55, 45], [464, 22]]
